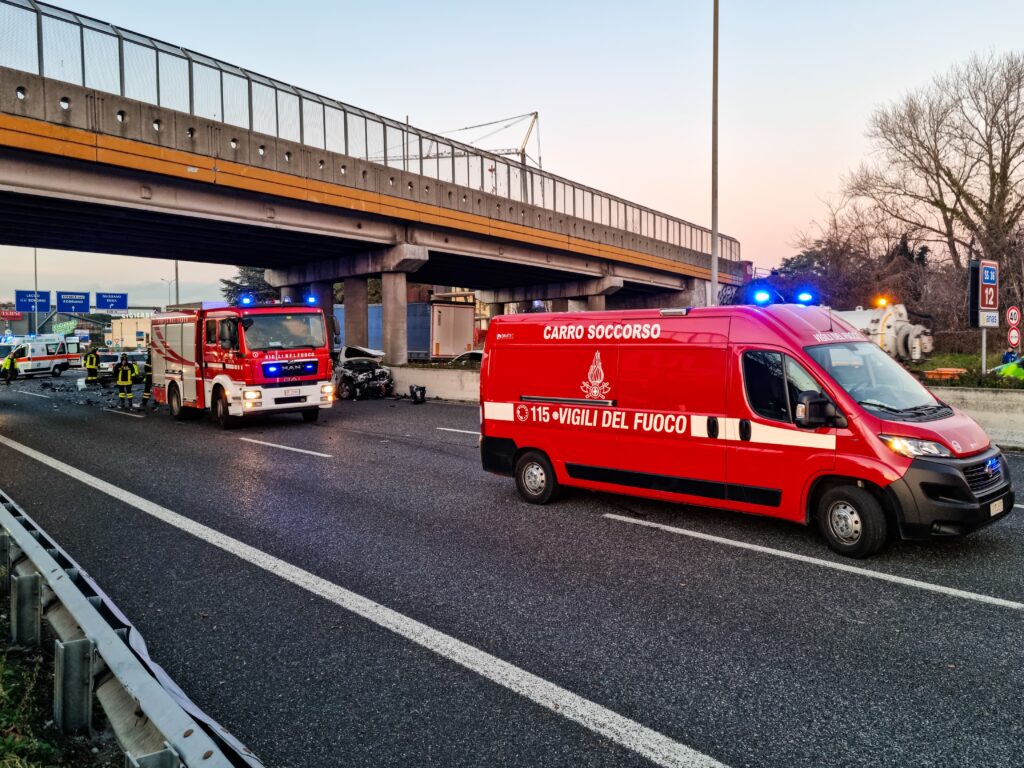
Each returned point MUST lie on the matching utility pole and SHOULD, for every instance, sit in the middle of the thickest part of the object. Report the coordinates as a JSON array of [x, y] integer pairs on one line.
[[35, 298], [177, 283], [714, 164]]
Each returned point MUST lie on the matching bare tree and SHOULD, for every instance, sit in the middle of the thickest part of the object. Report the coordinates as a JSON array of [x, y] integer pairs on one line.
[[950, 159]]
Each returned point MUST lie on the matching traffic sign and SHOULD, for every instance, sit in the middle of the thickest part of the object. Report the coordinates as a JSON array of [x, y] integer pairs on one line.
[[1013, 317], [111, 300], [72, 301], [988, 293], [987, 319], [1013, 336], [32, 301]]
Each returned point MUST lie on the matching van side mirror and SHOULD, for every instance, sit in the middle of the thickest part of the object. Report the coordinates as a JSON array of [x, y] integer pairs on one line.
[[813, 410]]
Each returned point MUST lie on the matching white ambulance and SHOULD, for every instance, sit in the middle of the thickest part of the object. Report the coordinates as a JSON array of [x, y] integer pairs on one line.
[[47, 354]]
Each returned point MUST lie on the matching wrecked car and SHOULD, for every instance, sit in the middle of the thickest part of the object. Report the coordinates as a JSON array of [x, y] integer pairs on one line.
[[359, 374]]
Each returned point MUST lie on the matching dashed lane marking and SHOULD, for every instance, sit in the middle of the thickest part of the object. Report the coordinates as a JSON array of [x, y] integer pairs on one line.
[[34, 394], [461, 431], [124, 413], [656, 747], [867, 572], [286, 447]]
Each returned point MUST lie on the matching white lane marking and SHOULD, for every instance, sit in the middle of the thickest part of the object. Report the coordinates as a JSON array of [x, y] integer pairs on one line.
[[286, 447], [1018, 506], [34, 394], [654, 746], [461, 431], [827, 564], [124, 413]]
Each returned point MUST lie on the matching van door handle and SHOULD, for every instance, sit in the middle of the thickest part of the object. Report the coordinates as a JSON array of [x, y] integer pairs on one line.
[[712, 426], [744, 429]]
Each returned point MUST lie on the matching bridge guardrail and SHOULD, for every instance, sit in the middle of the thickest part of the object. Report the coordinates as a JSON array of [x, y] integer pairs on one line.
[[98, 653], [44, 40]]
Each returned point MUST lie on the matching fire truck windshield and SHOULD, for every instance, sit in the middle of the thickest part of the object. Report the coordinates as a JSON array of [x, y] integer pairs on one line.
[[284, 331], [873, 378]]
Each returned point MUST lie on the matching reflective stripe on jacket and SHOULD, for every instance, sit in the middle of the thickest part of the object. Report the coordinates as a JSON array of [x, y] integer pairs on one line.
[[125, 372]]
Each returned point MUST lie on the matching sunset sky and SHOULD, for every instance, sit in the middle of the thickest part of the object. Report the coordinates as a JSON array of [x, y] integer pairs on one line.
[[623, 91]]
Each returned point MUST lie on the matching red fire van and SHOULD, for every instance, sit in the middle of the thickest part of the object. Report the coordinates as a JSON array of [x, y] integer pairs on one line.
[[781, 410]]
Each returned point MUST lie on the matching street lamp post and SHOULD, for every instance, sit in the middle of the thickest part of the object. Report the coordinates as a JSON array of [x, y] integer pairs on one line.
[[714, 164], [169, 282]]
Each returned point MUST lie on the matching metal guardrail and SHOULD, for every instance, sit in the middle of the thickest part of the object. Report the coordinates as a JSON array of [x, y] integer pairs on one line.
[[98, 653], [45, 40]]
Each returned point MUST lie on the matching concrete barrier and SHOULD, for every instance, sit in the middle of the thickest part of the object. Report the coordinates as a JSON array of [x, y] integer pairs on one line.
[[1000, 412], [444, 383]]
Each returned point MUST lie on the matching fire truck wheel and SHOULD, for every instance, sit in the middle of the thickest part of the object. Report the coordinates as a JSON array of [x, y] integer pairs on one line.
[[221, 412], [174, 402], [535, 478], [310, 415], [852, 521]]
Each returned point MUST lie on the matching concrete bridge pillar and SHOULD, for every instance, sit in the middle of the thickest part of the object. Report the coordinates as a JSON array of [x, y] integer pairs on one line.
[[493, 310], [356, 322], [323, 291], [292, 293], [596, 303], [395, 301]]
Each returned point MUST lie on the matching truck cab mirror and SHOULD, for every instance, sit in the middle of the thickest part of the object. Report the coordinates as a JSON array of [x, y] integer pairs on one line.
[[813, 410]]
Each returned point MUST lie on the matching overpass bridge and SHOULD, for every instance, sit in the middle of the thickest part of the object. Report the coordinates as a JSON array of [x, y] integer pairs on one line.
[[115, 142]]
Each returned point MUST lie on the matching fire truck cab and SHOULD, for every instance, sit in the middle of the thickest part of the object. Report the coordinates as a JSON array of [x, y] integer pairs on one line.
[[238, 361], [784, 410]]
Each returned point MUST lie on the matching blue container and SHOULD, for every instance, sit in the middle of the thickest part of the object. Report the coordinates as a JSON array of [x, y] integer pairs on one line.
[[417, 324]]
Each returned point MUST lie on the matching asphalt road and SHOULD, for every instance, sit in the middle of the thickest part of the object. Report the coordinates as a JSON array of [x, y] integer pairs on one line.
[[747, 657]]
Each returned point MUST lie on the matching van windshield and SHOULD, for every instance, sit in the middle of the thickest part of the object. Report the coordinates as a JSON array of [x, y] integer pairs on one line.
[[284, 331], [876, 381]]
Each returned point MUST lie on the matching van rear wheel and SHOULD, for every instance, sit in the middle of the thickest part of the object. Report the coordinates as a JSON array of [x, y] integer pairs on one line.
[[535, 478], [852, 521]]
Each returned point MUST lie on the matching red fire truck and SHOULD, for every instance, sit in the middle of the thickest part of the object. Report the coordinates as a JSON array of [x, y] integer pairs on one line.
[[237, 361], [784, 410]]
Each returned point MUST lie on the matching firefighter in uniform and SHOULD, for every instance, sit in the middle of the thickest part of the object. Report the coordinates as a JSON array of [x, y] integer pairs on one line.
[[9, 368], [125, 372], [92, 367], [147, 381]]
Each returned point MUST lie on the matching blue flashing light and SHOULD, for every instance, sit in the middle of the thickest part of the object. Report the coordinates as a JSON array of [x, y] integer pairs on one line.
[[805, 297], [247, 301], [272, 369], [311, 299], [310, 366], [286, 300], [762, 297]]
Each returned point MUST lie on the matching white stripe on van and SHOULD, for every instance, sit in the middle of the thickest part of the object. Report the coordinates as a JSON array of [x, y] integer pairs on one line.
[[499, 411], [699, 426], [767, 435]]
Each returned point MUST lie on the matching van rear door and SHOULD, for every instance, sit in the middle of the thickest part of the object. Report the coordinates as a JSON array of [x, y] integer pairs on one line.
[[771, 460]]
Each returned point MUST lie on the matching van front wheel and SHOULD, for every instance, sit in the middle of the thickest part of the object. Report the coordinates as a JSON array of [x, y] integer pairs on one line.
[[852, 521], [535, 478]]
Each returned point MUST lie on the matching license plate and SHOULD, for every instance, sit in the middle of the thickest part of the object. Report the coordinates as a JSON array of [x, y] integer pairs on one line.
[[996, 508], [290, 392]]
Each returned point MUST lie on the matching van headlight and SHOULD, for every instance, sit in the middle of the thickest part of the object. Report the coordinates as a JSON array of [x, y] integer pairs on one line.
[[912, 448], [327, 389], [252, 394]]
